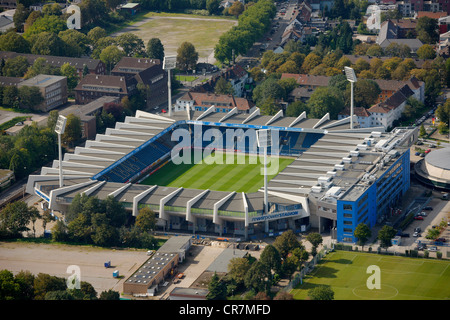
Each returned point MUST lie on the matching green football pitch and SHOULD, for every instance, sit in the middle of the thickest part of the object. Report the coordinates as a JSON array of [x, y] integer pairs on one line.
[[225, 176], [401, 278]]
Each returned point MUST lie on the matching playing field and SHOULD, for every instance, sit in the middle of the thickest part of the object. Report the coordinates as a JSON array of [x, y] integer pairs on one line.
[[219, 177], [173, 29], [402, 278]]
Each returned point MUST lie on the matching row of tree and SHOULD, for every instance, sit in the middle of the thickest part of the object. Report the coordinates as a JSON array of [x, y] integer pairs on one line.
[[27, 286], [253, 23], [254, 278]]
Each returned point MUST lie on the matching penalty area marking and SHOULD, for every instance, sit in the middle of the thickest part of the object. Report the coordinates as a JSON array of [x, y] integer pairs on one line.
[[364, 289]]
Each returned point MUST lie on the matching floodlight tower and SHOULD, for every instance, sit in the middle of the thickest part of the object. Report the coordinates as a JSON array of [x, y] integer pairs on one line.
[[169, 63], [59, 129], [264, 139], [351, 76]]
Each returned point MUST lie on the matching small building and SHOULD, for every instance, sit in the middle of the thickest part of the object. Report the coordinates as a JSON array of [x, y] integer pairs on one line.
[[53, 89], [161, 265], [131, 8], [223, 102], [6, 23]]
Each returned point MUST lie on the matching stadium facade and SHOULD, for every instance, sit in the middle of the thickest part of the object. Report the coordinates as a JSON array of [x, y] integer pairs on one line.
[[339, 177]]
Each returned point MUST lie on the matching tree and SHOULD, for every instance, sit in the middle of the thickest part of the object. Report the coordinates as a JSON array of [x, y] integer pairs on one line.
[[366, 93], [362, 233], [427, 30], [19, 17], [44, 283], [325, 100], [96, 34], [315, 239], [30, 97], [271, 262], [109, 295], [131, 44], [187, 57], [385, 236], [217, 289], [146, 220], [13, 41], [25, 279], [46, 23], [223, 87], [296, 108], [255, 277], [237, 269], [72, 75], [110, 56], [312, 60], [426, 51], [76, 43], [47, 43], [15, 217], [155, 49], [286, 242], [72, 132], [32, 17], [321, 292], [15, 67], [236, 9], [212, 6], [422, 131]]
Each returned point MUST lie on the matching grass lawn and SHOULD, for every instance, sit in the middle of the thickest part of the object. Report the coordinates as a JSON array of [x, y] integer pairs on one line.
[[173, 29], [186, 78], [219, 177], [402, 278]]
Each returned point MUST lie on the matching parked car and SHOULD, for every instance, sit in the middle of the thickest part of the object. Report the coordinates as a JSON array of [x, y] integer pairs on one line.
[[416, 234], [427, 151], [441, 239], [422, 155], [417, 229], [418, 218], [422, 214], [432, 249], [421, 246], [417, 153], [428, 208]]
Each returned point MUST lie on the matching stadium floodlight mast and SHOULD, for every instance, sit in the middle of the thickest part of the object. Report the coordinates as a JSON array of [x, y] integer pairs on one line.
[[351, 76], [169, 63], [59, 129], [264, 140]]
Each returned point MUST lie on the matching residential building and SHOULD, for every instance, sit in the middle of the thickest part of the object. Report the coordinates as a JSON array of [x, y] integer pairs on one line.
[[8, 4], [224, 103], [53, 89], [148, 72], [93, 86], [6, 23], [390, 33], [94, 66]]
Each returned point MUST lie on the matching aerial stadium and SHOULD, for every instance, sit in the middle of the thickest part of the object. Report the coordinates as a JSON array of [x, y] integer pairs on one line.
[[320, 173]]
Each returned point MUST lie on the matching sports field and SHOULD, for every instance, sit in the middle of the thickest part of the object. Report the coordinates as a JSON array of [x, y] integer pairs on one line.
[[237, 177], [402, 278]]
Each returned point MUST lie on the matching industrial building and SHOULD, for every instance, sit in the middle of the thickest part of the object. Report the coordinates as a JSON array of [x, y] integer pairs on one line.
[[340, 177]]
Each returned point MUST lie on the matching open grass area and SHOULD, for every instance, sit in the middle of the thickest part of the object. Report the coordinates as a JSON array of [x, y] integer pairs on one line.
[[173, 29], [219, 177], [402, 278]]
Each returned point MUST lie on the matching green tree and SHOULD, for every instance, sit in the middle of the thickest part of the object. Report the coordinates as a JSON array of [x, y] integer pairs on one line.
[[15, 67], [321, 292], [25, 279], [271, 261], [325, 100], [131, 44], [72, 132], [362, 233], [110, 56], [286, 243], [20, 15], [109, 295], [13, 41], [212, 6], [236, 9], [187, 56], [223, 87], [47, 43], [155, 49], [255, 277], [296, 108], [426, 51], [217, 289], [96, 34], [9, 288], [237, 269], [427, 30], [46, 23], [422, 131], [385, 236], [315, 239], [30, 97], [44, 283], [15, 217], [76, 42], [146, 220], [71, 73]]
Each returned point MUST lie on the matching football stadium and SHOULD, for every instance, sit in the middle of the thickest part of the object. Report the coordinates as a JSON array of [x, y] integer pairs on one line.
[[207, 172]]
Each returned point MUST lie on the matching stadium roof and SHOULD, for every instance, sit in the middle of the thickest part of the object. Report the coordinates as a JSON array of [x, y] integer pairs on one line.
[[341, 155]]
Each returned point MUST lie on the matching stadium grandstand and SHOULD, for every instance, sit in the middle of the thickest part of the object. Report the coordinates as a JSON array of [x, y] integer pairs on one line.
[[337, 177]]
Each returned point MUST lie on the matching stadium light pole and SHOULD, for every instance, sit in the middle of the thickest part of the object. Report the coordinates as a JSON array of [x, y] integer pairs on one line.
[[169, 63], [351, 76], [263, 137], [59, 129]]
